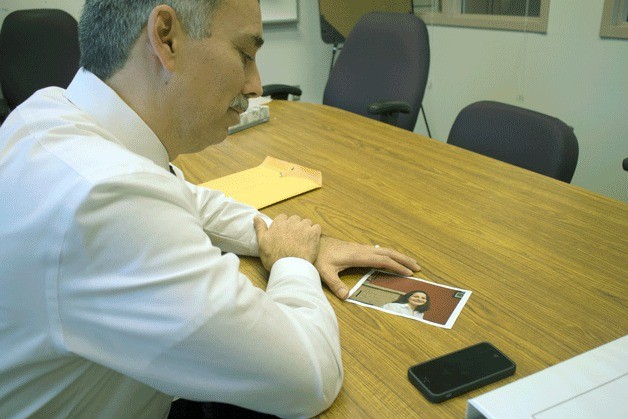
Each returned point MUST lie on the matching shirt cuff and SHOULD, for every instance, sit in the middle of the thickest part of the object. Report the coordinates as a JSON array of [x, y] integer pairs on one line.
[[266, 219], [291, 268]]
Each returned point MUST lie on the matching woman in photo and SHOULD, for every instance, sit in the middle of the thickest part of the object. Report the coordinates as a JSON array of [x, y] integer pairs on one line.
[[413, 304]]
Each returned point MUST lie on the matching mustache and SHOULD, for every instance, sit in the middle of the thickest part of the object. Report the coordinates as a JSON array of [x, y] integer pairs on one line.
[[240, 102]]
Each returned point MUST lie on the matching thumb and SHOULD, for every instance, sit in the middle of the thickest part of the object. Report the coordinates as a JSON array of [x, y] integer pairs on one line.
[[260, 226], [335, 284]]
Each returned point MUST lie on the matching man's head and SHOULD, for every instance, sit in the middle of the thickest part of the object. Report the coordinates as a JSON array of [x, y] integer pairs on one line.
[[185, 66], [108, 29]]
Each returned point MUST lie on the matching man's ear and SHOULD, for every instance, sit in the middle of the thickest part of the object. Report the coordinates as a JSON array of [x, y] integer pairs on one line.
[[163, 31]]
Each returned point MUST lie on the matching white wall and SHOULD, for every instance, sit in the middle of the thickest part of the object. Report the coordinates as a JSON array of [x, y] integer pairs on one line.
[[295, 54], [570, 73]]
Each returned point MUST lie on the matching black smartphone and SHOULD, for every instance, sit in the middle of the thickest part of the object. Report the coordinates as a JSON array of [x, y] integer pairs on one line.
[[459, 372]]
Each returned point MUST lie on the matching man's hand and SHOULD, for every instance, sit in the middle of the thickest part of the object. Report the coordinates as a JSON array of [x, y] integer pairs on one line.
[[337, 255], [287, 237]]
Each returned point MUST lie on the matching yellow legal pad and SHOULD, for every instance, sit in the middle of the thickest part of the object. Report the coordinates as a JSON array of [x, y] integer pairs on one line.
[[272, 181]]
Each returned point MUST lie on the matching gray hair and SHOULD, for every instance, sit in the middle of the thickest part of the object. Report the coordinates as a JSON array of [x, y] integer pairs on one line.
[[108, 29]]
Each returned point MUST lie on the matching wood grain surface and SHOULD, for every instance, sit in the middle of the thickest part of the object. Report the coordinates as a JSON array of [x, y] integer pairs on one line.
[[547, 261]]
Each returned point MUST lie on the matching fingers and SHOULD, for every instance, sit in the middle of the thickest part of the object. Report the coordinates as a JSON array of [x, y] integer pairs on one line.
[[389, 260], [390, 265], [287, 237], [398, 259], [260, 225], [382, 258], [335, 284]]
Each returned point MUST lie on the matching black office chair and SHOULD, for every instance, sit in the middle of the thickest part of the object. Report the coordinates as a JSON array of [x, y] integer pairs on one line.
[[382, 70], [281, 91], [39, 48], [518, 136]]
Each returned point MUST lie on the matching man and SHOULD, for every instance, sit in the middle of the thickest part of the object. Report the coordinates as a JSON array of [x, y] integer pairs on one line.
[[119, 287]]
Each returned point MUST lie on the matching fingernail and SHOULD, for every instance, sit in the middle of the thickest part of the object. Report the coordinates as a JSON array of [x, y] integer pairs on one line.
[[343, 292]]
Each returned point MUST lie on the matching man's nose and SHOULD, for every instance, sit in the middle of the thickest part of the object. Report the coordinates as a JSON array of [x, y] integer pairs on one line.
[[253, 86]]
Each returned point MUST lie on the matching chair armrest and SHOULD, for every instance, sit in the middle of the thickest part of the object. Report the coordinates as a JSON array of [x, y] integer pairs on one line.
[[389, 110], [388, 107], [281, 91], [4, 110]]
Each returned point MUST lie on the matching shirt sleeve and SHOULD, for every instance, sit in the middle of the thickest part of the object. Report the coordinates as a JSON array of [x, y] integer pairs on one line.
[[228, 223], [145, 292]]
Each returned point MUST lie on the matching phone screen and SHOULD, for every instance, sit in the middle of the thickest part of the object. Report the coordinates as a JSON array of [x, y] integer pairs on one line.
[[461, 371]]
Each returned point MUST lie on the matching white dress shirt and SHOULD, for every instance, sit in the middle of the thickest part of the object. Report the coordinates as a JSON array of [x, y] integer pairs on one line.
[[119, 287]]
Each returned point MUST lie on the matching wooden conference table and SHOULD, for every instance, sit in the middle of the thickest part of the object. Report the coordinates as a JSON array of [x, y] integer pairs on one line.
[[547, 262]]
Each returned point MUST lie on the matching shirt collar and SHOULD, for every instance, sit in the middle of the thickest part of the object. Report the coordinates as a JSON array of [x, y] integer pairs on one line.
[[92, 95]]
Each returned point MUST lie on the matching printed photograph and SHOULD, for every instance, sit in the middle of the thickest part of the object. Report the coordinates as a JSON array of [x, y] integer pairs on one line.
[[410, 297]]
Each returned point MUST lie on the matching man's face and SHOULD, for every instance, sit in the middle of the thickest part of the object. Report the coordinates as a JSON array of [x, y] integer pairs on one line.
[[213, 73]]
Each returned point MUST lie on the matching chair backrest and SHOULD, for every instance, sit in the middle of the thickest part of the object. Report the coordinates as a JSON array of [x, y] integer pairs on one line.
[[39, 48], [518, 136], [385, 57]]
